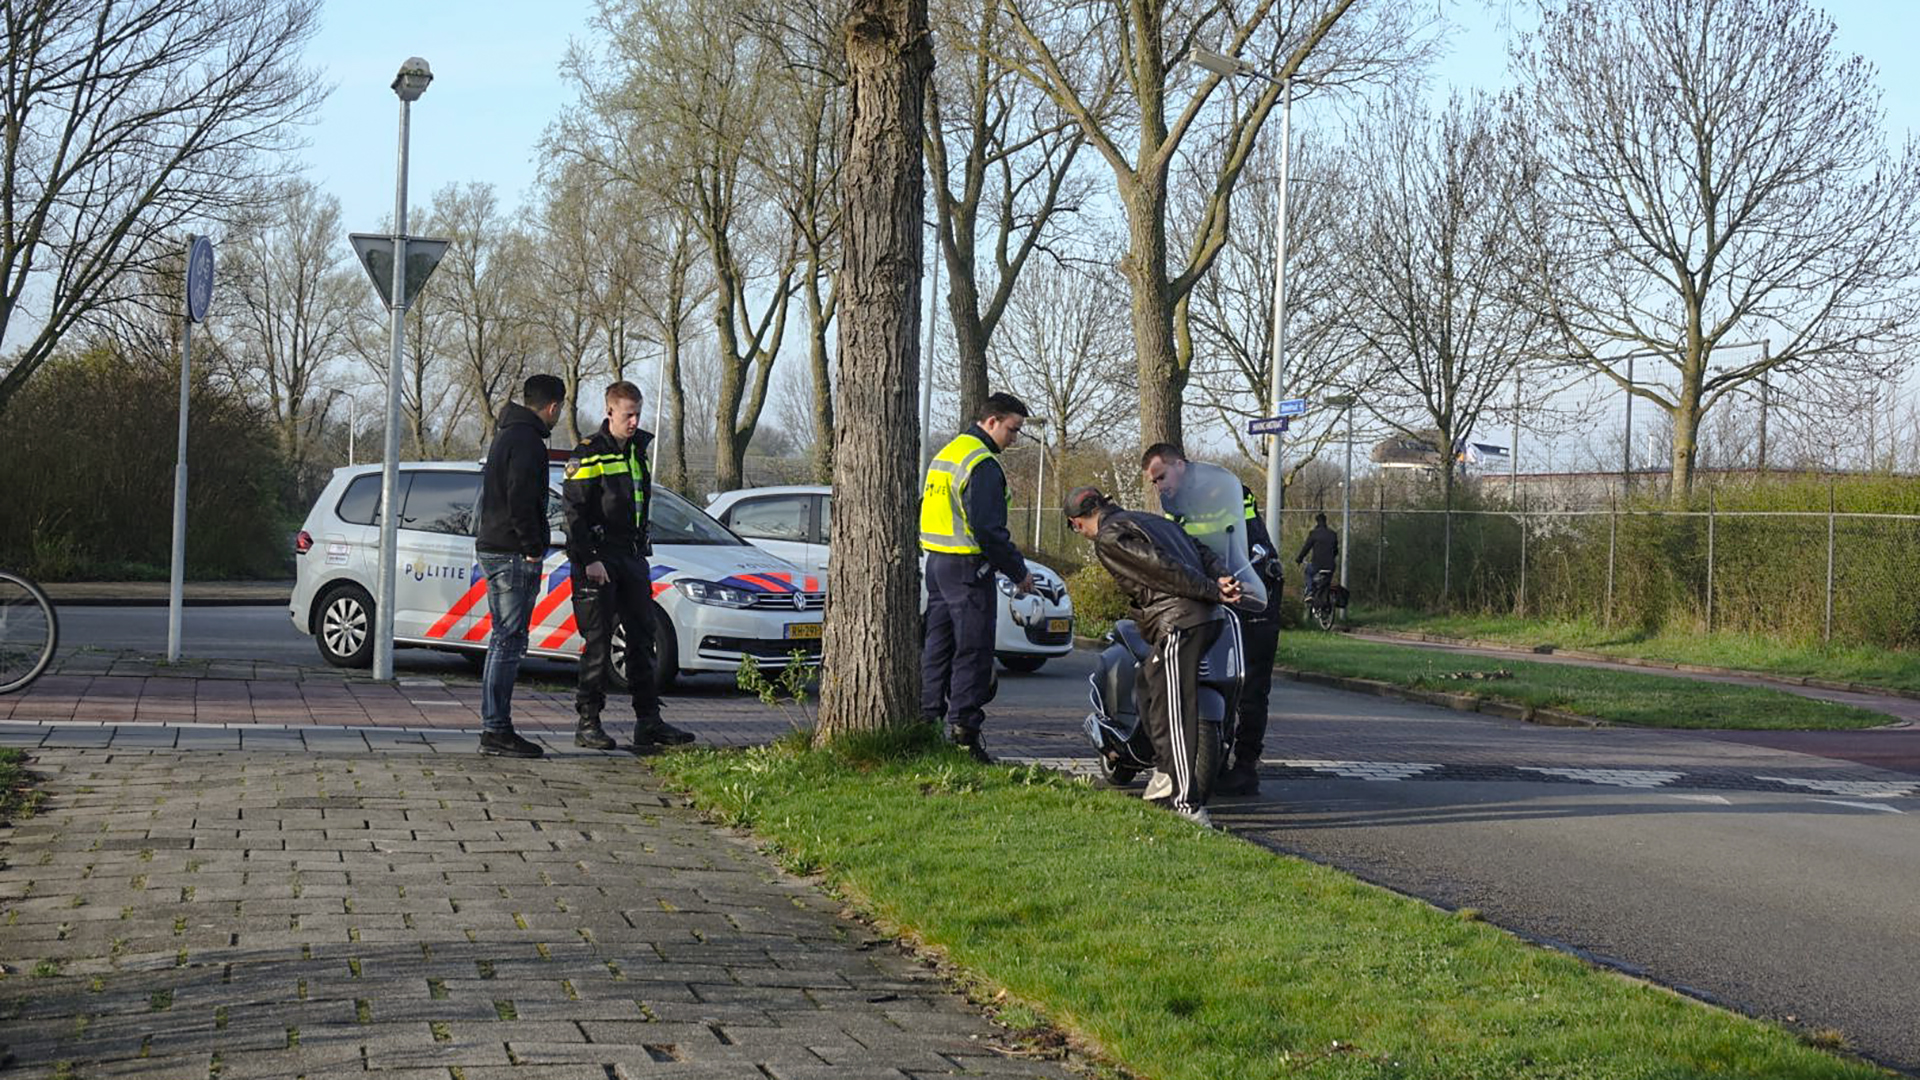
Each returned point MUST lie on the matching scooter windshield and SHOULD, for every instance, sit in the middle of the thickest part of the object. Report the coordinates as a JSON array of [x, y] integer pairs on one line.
[[1209, 504]]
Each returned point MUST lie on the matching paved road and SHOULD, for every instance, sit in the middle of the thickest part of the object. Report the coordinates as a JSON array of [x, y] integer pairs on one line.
[[1778, 882]]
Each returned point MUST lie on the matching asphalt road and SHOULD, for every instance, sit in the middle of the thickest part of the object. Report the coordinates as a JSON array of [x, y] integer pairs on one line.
[[1798, 905]]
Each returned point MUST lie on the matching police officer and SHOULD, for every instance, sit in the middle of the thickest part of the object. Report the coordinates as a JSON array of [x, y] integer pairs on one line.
[[963, 530], [607, 494], [1165, 466]]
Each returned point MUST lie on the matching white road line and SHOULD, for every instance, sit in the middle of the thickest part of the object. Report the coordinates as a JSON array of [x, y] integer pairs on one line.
[[1633, 778], [1871, 789], [1359, 770], [1882, 807], [1720, 800]]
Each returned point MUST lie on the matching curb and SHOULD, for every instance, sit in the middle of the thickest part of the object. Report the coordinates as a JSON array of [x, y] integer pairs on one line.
[[1810, 681], [1458, 702], [189, 601]]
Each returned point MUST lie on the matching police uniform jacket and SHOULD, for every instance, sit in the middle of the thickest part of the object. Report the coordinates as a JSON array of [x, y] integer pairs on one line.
[[607, 495]]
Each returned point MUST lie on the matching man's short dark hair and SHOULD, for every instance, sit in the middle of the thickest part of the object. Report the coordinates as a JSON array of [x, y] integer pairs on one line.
[[1001, 404], [541, 391], [1319, 519], [622, 391], [1165, 451]]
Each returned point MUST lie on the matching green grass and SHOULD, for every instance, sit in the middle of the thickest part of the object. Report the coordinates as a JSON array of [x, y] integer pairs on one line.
[[1614, 696], [1743, 652], [18, 799], [1176, 952]]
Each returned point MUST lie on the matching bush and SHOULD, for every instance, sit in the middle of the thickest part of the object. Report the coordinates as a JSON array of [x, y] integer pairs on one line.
[[87, 473], [1098, 601]]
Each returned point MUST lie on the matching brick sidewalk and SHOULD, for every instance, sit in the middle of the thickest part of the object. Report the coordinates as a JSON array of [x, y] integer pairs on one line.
[[235, 916]]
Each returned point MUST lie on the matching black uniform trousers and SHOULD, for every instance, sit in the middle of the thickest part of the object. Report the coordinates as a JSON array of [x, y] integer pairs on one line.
[[626, 600], [1168, 693], [956, 660], [1261, 636]]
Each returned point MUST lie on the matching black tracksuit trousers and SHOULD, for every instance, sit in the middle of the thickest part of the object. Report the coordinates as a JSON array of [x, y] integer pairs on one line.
[[1187, 748], [1262, 640], [626, 600]]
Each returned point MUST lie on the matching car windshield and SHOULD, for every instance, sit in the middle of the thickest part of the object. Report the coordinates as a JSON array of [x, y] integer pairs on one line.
[[674, 520]]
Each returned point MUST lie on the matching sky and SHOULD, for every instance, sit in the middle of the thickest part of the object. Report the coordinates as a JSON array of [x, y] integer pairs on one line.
[[497, 86]]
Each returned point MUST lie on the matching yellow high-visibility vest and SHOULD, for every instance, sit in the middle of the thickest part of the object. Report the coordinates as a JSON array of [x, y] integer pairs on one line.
[[943, 511]]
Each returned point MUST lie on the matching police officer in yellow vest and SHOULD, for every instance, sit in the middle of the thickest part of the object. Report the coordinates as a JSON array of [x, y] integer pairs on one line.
[[1165, 465], [963, 531]]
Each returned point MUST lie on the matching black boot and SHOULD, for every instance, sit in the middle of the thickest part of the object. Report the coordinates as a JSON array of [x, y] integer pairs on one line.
[[1241, 778], [648, 734], [590, 734], [968, 739]]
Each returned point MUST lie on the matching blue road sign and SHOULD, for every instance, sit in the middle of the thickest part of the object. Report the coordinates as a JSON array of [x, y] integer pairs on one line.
[[199, 278], [1270, 425], [1294, 407]]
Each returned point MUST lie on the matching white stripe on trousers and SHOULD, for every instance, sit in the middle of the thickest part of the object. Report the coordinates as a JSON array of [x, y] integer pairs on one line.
[[1177, 736]]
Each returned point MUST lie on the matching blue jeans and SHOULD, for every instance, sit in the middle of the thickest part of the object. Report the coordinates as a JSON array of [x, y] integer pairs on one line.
[[512, 583]]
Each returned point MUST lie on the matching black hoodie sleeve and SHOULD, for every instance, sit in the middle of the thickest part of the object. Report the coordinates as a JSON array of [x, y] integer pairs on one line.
[[986, 497]]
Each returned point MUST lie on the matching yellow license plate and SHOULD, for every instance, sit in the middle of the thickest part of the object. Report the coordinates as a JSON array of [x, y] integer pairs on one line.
[[803, 630], [1059, 626]]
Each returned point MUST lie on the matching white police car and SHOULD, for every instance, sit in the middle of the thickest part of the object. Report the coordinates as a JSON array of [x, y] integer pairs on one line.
[[796, 523], [716, 596]]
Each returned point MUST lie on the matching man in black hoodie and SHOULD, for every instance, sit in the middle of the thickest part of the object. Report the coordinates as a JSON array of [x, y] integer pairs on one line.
[[1176, 585], [511, 544]]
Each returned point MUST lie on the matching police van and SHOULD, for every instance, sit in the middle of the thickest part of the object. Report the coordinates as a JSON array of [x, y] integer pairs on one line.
[[716, 597]]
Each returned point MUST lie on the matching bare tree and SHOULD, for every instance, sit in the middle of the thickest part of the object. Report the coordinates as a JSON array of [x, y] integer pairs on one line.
[[1075, 51], [1436, 268], [122, 127], [290, 294], [870, 671], [1712, 172], [481, 287], [1002, 157], [1064, 345], [568, 284]]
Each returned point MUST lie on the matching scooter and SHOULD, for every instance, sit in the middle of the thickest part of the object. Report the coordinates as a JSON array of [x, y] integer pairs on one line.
[[1207, 502]]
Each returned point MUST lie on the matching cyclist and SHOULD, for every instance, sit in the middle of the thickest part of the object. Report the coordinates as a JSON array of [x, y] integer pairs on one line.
[[1320, 552]]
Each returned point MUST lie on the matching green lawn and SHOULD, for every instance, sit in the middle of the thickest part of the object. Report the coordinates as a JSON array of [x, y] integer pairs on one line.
[[1744, 652], [1175, 952], [1614, 696]]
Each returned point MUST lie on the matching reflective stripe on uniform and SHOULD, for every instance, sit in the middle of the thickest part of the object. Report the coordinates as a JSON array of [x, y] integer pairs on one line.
[[943, 511]]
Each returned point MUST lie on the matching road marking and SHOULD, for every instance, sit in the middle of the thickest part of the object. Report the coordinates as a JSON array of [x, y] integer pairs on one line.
[[1865, 788], [1882, 807], [1720, 800], [1358, 770], [1633, 778]]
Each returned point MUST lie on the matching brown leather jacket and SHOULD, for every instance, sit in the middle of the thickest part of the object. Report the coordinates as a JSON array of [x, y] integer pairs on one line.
[[1172, 580]]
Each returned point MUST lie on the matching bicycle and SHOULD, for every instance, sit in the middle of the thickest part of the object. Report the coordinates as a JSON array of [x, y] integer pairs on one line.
[[1321, 607], [29, 632]]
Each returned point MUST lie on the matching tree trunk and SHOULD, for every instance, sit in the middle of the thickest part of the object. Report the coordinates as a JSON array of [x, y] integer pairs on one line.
[[970, 340], [673, 468], [1686, 447], [1145, 268], [822, 377], [870, 670]]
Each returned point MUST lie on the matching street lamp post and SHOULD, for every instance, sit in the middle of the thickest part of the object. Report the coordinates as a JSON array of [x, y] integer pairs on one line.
[[408, 85], [1229, 66], [353, 413], [1040, 477]]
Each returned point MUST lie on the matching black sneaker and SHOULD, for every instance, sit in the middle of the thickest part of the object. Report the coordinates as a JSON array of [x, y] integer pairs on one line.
[[590, 734], [508, 744], [1242, 778], [649, 734], [968, 739]]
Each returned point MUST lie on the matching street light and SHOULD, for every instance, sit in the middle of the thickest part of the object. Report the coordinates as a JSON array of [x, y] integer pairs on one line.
[[1347, 402], [353, 411], [1227, 66], [1040, 480], [408, 85]]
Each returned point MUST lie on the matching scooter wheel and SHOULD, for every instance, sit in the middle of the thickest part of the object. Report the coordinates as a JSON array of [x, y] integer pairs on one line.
[[1116, 775]]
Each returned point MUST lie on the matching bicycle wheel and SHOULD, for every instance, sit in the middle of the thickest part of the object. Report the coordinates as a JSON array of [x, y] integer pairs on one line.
[[28, 632]]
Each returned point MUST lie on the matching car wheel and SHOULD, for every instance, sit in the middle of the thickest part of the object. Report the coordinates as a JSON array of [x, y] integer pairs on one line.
[[1026, 665], [343, 626]]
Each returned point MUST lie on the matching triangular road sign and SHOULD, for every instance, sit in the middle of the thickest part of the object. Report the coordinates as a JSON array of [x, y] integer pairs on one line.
[[375, 252]]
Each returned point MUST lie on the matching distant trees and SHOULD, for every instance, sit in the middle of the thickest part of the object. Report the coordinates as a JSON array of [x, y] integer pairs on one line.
[[1710, 172], [122, 128]]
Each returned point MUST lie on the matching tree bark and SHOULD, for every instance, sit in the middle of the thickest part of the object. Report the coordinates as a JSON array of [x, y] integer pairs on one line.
[[1162, 381], [869, 677]]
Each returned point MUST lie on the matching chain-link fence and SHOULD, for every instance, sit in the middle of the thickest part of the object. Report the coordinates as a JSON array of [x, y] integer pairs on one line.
[[1828, 574]]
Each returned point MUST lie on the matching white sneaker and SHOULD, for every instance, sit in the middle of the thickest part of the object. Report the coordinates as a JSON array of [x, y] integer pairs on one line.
[[1159, 786], [1198, 815]]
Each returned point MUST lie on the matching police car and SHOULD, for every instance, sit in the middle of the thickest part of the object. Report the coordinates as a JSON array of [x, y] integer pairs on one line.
[[796, 523], [716, 597]]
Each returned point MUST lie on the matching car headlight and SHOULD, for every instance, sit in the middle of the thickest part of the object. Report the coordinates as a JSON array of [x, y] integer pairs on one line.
[[707, 592]]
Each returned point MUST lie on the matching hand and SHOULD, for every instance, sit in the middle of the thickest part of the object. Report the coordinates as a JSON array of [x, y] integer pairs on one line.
[[597, 572], [1025, 586], [1229, 590]]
